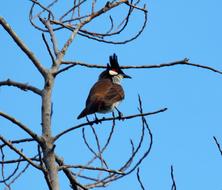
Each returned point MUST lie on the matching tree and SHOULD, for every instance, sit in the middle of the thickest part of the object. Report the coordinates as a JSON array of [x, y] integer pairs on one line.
[[80, 18]]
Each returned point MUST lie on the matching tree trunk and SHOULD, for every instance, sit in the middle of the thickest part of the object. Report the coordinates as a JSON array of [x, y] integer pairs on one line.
[[48, 145]]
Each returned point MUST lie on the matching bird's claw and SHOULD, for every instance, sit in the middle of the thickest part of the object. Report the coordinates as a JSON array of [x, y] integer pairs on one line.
[[97, 121], [120, 115]]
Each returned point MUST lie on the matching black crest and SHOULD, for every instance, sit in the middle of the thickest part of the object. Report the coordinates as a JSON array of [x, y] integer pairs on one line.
[[113, 60]]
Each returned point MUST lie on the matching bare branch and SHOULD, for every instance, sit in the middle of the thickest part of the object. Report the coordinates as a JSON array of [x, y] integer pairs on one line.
[[139, 180], [72, 9], [136, 7], [21, 86], [11, 146], [19, 141], [22, 45], [100, 156], [106, 119], [173, 180], [87, 144], [64, 69], [52, 35], [91, 168], [48, 48], [184, 62], [22, 126], [218, 145], [12, 174], [44, 8], [18, 160], [3, 168]]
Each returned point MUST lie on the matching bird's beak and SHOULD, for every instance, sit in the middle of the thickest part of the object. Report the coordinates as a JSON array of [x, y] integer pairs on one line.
[[126, 76]]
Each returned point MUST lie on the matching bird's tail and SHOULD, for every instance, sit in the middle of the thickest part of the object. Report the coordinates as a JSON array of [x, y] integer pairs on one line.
[[83, 113]]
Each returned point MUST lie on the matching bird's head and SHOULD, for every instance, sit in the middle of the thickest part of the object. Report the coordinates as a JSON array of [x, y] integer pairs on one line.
[[113, 70]]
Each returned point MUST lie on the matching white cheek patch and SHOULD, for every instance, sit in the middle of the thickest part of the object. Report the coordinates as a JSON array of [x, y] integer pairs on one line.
[[113, 73]]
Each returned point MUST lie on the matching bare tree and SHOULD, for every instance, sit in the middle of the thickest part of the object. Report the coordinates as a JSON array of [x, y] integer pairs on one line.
[[78, 19]]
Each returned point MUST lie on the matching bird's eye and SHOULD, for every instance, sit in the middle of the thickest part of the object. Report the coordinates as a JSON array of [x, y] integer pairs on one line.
[[113, 73]]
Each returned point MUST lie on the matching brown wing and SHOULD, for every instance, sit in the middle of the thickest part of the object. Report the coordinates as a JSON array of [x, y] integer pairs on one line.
[[103, 94]]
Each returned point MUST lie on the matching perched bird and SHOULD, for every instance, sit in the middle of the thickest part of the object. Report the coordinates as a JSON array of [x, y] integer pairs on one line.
[[106, 93]]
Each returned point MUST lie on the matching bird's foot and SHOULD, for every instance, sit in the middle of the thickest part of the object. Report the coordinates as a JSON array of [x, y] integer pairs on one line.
[[120, 115], [97, 121]]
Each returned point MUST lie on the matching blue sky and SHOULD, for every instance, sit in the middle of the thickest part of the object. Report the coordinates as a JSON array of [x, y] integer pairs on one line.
[[183, 135]]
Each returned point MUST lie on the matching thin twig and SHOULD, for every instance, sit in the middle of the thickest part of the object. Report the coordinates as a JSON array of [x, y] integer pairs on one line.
[[218, 145], [19, 174], [3, 168], [19, 141], [19, 160], [72, 9], [48, 48], [173, 187], [136, 7], [52, 35], [139, 180], [44, 8], [12, 174], [64, 69], [87, 144], [91, 168], [100, 156]]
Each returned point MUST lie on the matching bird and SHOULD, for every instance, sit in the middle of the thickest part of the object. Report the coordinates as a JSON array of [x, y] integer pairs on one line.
[[107, 92]]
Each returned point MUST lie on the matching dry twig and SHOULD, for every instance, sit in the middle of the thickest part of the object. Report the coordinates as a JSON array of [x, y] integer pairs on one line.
[[218, 145], [173, 187]]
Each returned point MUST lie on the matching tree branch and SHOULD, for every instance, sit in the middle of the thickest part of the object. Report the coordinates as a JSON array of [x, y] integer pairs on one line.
[[20, 141], [10, 145], [18, 160], [21, 86], [23, 47], [48, 48], [22, 126], [139, 180], [64, 69], [173, 180], [52, 35], [106, 119], [184, 62], [91, 168], [218, 145]]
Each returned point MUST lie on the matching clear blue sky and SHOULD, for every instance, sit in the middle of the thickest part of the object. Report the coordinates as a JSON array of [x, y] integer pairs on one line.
[[183, 136]]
